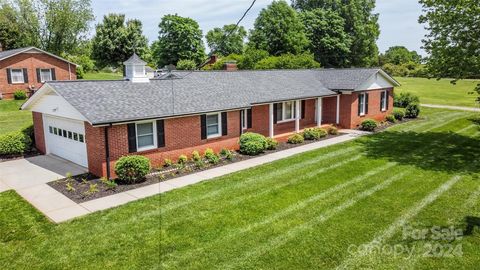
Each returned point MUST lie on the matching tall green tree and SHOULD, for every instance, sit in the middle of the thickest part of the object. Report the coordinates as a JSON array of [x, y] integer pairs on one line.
[[278, 30], [360, 23], [329, 42], [179, 38], [453, 41], [226, 40], [399, 55], [19, 24], [116, 40]]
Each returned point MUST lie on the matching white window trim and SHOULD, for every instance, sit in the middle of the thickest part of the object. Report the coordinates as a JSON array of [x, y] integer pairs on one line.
[[219, 134], [244, 119], [362, 108], [385, 100], [293, 112], [44, 69], [11, 75], [154, 128]]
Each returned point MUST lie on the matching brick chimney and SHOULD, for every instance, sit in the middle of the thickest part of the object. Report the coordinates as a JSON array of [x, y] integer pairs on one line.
[[213, 59], [230, 66]]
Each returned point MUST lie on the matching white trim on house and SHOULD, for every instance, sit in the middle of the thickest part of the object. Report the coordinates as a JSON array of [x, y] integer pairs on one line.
[[378, 80], [293, 110], [29, 49], [22, 81], [42, 75], [384, 101], [153, 134], [219, 124], [244, 118], [362, 101]]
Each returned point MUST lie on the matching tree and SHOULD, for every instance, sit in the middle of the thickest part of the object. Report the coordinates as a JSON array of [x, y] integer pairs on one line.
[[116, 40], [398, 55], [178, 38], [226, 40], [251, 57], [186, 65], [360, 23], [278, 30], [328, 40], [454, 39], [19, 25], [288, 61]]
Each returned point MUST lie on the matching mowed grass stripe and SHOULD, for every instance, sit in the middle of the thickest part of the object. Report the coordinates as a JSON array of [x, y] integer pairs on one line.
[[418, 123], [331, 192], [436, 120], [446, 123]]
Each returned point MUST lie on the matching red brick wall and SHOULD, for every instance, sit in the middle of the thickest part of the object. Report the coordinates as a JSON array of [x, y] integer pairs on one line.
[[374, 111], [329, 110], [32, 61], [38, 131]]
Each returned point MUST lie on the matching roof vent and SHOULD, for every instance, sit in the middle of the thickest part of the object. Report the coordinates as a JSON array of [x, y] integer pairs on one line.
[[135, 69]]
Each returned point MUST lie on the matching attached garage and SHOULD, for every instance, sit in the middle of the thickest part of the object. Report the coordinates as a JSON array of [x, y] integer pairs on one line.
[[65, 138]]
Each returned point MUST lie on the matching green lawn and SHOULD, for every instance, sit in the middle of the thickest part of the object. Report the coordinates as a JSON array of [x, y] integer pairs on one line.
[[441, 92], [309, 211], [102, 76], [11, 117]]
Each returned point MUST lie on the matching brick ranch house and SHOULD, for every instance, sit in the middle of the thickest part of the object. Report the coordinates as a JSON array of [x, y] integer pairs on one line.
[[93, 123], [29, 68]]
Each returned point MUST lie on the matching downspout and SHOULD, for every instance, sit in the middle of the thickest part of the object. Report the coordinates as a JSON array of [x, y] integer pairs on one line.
[[69, 72], [107, 151]]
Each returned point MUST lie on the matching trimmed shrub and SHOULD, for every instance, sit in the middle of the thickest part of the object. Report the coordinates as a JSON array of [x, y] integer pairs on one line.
[[295, 139], [390, 118], [399, 114], [252, 143], [403, 99], [182, 159], [19, 95], [314, 133], [271, 144], [332, 130], [211, 157], [15, 143], [196, 156], [412, 110], [132, 169], [368, 125]]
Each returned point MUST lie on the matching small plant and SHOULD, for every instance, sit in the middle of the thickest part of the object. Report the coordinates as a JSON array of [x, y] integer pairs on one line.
[[399, 114], [272, 144], [314, 133], [182, 159], [199, 164], [224, 152], [227, 154], [69, 187], [132, 169], [19, 95], [368, 125], [390, 118], [210, 156], [180, 167], [110, 184], [84, 181], [68, 175], [92, 189], [196, 156], [161, 177], [167, 162], [252, 143], [332, 130], [412, 110], [295, 139]]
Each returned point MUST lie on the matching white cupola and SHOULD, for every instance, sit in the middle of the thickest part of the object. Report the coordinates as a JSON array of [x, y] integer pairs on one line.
[[135, 69]]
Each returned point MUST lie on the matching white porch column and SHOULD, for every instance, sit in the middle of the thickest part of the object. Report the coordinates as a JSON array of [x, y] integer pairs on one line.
[[338, 110], [270, 120], [297, 116], [319, 111]]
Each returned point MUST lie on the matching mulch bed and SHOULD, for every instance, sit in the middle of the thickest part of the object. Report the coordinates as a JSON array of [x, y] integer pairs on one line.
[[31, 153], [86, 187], [384, 125]]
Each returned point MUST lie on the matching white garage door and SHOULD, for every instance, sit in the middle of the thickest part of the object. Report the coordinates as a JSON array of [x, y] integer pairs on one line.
[[66, 138]]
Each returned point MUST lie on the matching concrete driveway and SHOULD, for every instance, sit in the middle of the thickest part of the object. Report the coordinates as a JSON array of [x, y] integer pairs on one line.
[[24, 173]]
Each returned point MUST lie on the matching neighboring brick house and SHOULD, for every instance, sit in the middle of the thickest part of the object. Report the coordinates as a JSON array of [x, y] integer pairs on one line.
[[93, 123], [28, 68]]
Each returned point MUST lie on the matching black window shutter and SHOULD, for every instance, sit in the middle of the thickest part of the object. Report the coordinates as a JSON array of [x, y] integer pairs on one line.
[[366, 103], [203, 125], [386, 99], [9, 76], [25, 75], [54, 77], [132, 138], [359, 104], [160, 133], [275, 105], [303, 109], [39, 79], [381, 99], [224, 124], [249, 118]]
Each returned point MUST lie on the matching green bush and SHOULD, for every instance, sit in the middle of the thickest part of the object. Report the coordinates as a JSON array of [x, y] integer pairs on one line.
[[295, 139], [19, 95], [332, 130], [210, 156], [368, 125], [132, 169], [186, 64], [404, 99], [182, 159], [252, 143], [196, 156], [271, 144], [399, 114], [15, 143], [412, 110], [167, 162], [390, 118], [314, 133], [227, 154], [288, 61]]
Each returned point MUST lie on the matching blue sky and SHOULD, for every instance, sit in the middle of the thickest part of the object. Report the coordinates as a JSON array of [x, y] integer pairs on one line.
[[398, 18]]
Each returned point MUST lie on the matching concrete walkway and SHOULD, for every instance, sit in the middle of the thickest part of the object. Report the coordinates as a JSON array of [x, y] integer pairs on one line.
[[59, 208], [459, 108]]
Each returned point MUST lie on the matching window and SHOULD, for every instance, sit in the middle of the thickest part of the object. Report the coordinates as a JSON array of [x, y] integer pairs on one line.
[[244, 118], [17, 75], [59, 132], [361, 104], [55, 131], [383, 100], [145, 136], [50, 128], [75, 136], [64, 133], [139, 70], [286, 111], [70, 135], [45, 75], [213, 125], [80, 137]]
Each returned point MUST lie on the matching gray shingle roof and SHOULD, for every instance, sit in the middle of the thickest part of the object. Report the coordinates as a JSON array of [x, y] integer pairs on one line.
[[117, 101], [135, 59], [345, 79], [10, 53]]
